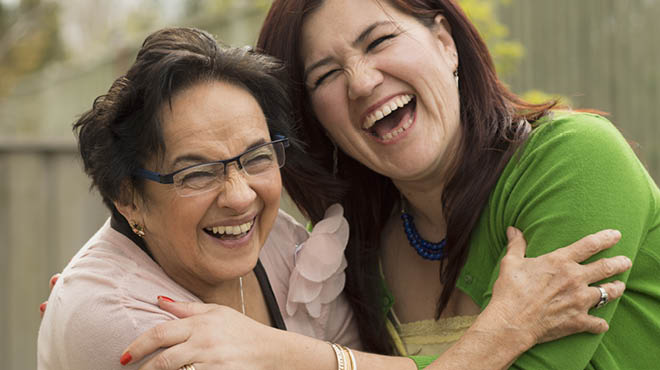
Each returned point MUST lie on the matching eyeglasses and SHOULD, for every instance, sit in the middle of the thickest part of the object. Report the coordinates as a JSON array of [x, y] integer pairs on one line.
[[201, 178]]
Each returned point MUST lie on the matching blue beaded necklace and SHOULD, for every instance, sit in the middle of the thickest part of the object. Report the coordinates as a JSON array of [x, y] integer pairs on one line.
[[426, 249]]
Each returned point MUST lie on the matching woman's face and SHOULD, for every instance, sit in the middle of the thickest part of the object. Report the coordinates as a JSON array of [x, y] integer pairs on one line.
[[381, 83], [208, 122]]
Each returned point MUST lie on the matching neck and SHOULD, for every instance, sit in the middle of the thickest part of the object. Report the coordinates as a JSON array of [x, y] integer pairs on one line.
[[424, 202], [227, 293], [223, 292]]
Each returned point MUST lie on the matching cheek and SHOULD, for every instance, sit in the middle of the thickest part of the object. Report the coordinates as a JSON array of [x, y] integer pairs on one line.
[[330, 105], [270, 191], [179, 220]]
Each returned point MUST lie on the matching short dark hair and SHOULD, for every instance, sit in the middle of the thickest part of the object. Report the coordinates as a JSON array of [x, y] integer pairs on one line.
[[123, 129]]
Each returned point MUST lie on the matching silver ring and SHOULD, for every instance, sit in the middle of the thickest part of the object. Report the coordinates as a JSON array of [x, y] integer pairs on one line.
[[187, 367], [604, 298]]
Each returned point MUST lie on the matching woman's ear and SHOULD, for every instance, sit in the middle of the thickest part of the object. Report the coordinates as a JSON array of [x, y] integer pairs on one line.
[[442, 31], [130, 204]]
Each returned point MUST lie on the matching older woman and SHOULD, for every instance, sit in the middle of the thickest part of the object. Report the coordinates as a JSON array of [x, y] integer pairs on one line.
[[401, 101], [185, 150]]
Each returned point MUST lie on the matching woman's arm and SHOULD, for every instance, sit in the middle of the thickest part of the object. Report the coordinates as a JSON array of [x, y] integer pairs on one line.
[[577, 174], [215, 337]]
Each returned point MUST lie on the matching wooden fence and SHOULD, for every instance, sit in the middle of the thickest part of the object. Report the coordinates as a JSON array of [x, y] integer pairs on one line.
[[46, 214], [602, 54]]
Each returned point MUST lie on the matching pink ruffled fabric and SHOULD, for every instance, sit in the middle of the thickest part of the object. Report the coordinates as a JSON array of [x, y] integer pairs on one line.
[[318, 276]]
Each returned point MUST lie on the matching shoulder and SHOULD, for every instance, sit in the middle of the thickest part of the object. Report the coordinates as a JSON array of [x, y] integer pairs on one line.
[[286, 233], [279, 250], [564, 132], [581, 147], [105, 298]]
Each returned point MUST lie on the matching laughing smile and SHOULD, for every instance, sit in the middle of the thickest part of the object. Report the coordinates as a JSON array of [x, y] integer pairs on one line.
[[392, 118], [230, 231]]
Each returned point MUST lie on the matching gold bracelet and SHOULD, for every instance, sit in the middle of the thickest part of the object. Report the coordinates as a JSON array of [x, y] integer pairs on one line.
[[351, 355], [341, 358]]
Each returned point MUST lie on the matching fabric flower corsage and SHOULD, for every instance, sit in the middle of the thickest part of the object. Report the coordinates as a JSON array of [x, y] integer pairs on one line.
[[318, 276]]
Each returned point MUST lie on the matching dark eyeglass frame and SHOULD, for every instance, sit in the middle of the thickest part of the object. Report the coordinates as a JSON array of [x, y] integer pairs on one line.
[[169, 178]]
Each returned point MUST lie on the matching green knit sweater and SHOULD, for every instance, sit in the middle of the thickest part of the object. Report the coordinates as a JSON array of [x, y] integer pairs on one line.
[[574, 176]]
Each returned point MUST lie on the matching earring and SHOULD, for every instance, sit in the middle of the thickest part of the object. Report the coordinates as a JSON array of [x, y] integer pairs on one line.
[[137, 229], [335, 159], [456, 75]]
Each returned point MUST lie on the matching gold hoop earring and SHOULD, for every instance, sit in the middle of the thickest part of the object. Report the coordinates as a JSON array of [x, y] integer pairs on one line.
[[137, 229]]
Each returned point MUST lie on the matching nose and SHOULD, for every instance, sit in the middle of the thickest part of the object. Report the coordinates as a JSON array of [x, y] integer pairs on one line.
[[362, 79], [236, 194]]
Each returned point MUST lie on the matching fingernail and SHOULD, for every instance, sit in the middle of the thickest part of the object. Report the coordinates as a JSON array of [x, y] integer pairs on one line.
[[53, 280], [627, 261], [615, 233], [125, 358], [165, 298], [510, 232], [42, 307]]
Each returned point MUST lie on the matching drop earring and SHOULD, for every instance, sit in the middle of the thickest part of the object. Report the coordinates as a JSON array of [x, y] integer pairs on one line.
[[456, 76], [137, 229]]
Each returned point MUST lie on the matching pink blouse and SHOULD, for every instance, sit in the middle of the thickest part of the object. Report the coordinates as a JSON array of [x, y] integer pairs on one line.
[[106, 295]]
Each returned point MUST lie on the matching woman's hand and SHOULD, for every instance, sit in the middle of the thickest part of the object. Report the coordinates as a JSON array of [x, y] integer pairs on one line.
[[548, 297], [51, 284], [210, 337]]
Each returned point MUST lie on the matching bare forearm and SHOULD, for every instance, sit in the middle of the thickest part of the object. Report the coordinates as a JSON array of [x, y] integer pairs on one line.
[[488, 346], [306, 353]]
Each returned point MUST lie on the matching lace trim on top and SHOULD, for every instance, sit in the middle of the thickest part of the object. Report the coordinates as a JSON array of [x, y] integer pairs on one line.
[[431, 337], [435, 331]]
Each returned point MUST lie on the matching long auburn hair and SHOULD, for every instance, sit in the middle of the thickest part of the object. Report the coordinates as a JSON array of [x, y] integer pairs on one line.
[[494, 121]]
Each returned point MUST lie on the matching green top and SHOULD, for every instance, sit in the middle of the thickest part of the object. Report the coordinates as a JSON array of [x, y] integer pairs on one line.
[[577, 175]]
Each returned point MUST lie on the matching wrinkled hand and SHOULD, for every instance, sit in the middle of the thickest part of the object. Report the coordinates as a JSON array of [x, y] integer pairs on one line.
[[51, 283], [548, 297], [209, 336]]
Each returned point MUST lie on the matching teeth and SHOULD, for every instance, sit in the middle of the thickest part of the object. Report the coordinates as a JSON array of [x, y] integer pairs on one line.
[[231, 230], [390, 135], [386, 109]]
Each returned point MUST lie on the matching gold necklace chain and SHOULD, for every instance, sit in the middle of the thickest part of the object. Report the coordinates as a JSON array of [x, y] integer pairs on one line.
[[240, 282]]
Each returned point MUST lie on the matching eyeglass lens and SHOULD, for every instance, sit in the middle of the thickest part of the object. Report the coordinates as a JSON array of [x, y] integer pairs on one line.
[[209, 176]]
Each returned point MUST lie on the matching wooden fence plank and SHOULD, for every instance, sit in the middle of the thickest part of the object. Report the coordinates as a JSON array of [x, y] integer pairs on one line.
[[601, 54], [4, 260], [30, 245]]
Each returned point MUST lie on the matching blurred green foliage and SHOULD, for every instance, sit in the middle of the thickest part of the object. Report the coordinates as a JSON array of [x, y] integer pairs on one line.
[[506, 53]]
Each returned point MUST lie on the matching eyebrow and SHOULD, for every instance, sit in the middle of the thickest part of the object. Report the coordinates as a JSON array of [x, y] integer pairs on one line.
[[358, 40], [188, 158]]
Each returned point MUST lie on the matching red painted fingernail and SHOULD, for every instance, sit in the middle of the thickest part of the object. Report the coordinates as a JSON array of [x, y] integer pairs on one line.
[[125, 358], [53, 280], [42, 307], [166, 299]]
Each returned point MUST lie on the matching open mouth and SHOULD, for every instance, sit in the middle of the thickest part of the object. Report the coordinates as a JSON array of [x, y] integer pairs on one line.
[[392, 118], [230, 232]]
